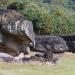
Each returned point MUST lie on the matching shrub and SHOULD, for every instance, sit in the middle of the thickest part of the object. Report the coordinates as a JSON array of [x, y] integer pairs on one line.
[[5, 3], [47, 18]]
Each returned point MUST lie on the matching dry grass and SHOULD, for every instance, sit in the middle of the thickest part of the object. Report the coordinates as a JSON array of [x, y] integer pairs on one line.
[[65, 66]]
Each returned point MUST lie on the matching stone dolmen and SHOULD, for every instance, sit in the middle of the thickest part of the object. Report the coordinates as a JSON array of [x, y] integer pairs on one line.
[[16, 33]]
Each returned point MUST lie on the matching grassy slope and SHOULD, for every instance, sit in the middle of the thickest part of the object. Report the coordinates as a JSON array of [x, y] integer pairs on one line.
[[66, 66]]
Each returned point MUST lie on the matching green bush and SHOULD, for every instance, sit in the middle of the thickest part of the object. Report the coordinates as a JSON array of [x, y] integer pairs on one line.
[[5, 3], [47, 18], [37, 14]]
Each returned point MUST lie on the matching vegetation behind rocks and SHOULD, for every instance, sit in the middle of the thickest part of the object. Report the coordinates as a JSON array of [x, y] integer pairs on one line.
[[48, 16]]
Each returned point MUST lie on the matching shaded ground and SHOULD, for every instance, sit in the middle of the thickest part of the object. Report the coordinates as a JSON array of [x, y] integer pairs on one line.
[[65, 66]]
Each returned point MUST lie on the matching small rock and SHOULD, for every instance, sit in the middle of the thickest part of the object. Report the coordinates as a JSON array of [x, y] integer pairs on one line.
[[19, 58], [48, 56], [6, 57], [35, 58]]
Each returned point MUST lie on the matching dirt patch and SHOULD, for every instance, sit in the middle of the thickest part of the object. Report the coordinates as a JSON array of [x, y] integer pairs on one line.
[[67, 55]]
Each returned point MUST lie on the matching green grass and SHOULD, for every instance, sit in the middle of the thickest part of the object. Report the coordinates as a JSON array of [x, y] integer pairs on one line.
[[66, 66]]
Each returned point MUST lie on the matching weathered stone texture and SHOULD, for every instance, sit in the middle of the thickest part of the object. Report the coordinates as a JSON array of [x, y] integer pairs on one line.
[[16, 33]]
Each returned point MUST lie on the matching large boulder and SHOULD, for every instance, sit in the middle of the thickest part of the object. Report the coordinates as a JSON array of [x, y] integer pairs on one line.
[[16, 33], [70, 40], [52, 43]]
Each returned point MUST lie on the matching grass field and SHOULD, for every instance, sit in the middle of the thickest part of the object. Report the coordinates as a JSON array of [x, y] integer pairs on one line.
[[65, 66]]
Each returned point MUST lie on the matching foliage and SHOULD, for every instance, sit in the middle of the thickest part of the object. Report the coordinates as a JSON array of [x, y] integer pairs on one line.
[[37, 14], [48, 16], [5, 3]]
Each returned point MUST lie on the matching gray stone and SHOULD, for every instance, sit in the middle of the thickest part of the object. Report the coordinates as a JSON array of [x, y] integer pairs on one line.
[[16, 33], [36, 58], [70, 40], [19, 58], [6, 57], [50, 43], [48, 56]]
